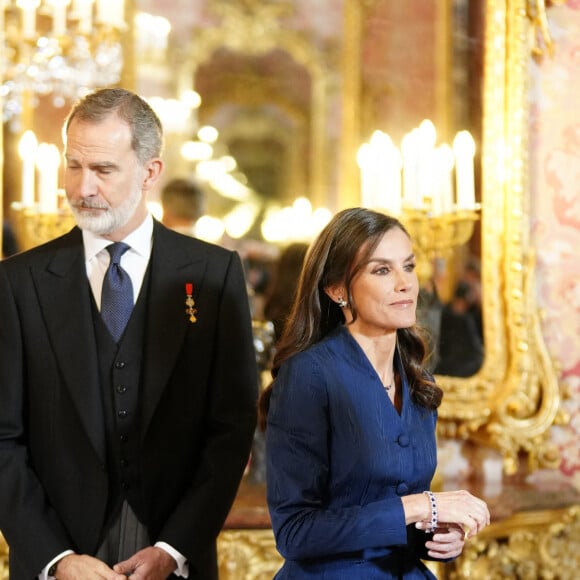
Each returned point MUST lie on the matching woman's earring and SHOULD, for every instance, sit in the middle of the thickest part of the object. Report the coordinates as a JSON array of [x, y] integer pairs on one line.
[[342, 302]]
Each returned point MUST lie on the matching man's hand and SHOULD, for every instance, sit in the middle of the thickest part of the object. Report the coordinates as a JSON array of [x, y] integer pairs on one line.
[[75, 566], [148, 564]]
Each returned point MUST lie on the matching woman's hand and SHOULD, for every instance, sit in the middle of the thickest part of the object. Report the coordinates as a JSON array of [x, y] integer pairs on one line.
[[447, 542], [460, 508]]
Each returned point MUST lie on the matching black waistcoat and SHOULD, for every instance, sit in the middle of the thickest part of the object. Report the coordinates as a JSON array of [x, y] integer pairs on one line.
[[120, 372]]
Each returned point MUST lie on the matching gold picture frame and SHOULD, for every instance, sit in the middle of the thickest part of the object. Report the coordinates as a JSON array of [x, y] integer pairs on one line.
[[514, 400]]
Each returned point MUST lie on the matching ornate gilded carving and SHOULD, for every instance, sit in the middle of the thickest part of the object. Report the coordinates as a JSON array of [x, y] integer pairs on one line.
[[529, 545], [536, 11], [253, 19], [33, 228], [514, 399], [247, 554]]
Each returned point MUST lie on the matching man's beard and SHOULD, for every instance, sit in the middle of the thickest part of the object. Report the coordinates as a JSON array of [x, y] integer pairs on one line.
[[105, 221]]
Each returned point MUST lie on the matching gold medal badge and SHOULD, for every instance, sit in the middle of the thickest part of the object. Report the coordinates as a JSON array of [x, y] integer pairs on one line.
[[191, 311]]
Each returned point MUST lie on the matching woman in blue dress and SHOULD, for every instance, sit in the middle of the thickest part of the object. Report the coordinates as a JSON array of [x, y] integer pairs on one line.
[[350, 417]]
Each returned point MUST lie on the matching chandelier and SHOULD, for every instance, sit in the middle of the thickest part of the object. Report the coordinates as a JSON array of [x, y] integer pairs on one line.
[[429, 187], [57, 48]]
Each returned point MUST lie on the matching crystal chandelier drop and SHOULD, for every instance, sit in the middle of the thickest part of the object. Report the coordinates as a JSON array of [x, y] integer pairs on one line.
[[60, 48]]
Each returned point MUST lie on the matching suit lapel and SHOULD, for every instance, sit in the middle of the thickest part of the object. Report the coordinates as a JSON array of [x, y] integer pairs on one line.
[[170, 268], [65, 300]]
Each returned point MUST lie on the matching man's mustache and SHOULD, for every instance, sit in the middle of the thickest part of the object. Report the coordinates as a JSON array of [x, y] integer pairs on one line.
[[84, 204]]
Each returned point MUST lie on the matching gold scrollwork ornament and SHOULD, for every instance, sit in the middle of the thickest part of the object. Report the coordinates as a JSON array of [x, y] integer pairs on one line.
[[248, 554], [529, 546], [542, 39]]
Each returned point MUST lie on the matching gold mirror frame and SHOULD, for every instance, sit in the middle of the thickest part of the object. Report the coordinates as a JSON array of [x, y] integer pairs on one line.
[[514, 400]]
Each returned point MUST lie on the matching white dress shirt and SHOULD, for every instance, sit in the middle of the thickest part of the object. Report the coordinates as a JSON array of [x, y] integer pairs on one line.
[[134, 261]]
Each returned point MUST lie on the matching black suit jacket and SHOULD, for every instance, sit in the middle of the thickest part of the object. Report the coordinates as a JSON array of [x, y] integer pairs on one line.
[[198, 401]]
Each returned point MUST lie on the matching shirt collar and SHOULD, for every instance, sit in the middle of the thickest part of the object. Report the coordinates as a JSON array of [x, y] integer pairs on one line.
[[139, 240]]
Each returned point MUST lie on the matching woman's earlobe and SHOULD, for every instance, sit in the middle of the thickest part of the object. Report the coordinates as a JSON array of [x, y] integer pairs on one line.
[[337, 296]]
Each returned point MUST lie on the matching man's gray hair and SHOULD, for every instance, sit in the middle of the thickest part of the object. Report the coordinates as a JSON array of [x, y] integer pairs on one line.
[[146, 128]]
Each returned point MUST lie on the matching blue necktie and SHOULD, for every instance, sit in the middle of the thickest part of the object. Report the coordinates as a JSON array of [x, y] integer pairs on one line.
[[117, 294]]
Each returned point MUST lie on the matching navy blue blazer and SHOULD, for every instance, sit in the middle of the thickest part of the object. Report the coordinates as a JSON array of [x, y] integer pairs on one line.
[[339, 459]]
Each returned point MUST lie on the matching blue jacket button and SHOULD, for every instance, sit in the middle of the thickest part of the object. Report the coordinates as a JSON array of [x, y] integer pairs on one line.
[[404, 440], [402, 488]]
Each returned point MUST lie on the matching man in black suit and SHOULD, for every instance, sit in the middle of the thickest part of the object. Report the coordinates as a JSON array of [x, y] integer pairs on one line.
[[121, 457]]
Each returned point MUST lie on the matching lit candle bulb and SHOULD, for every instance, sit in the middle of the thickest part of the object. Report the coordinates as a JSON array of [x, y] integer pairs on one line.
[[426, 141], [410, 149], [118, 16], [2, 27], [111, 12], [364, 160], [378, 144], [387, 161], [27, 148], [464, 150], [28, 8], [443, 189], [59, 16], [83, 10], [103, 11], [48, 162]]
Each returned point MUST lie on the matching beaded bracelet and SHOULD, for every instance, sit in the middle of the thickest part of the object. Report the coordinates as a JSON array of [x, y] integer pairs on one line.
[[433, 523]]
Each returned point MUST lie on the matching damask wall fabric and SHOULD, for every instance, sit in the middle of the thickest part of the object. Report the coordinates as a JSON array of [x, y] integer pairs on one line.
[[555, 210]]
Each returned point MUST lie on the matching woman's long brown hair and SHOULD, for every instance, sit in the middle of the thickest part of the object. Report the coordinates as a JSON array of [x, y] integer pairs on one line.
[[335, 257]]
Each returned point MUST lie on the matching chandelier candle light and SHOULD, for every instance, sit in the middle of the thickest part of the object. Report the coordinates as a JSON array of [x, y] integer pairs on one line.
[[38, 216], [47, 163], [420, 174], [429, 187], [62, 48], [27, 149]]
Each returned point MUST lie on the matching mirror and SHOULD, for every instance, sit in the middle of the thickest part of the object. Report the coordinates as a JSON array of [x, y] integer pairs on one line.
[[514, 399], [293, 100], [243, 50]]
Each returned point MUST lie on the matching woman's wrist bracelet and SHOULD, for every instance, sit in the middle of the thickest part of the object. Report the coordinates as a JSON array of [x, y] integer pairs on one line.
[[433, 504]]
